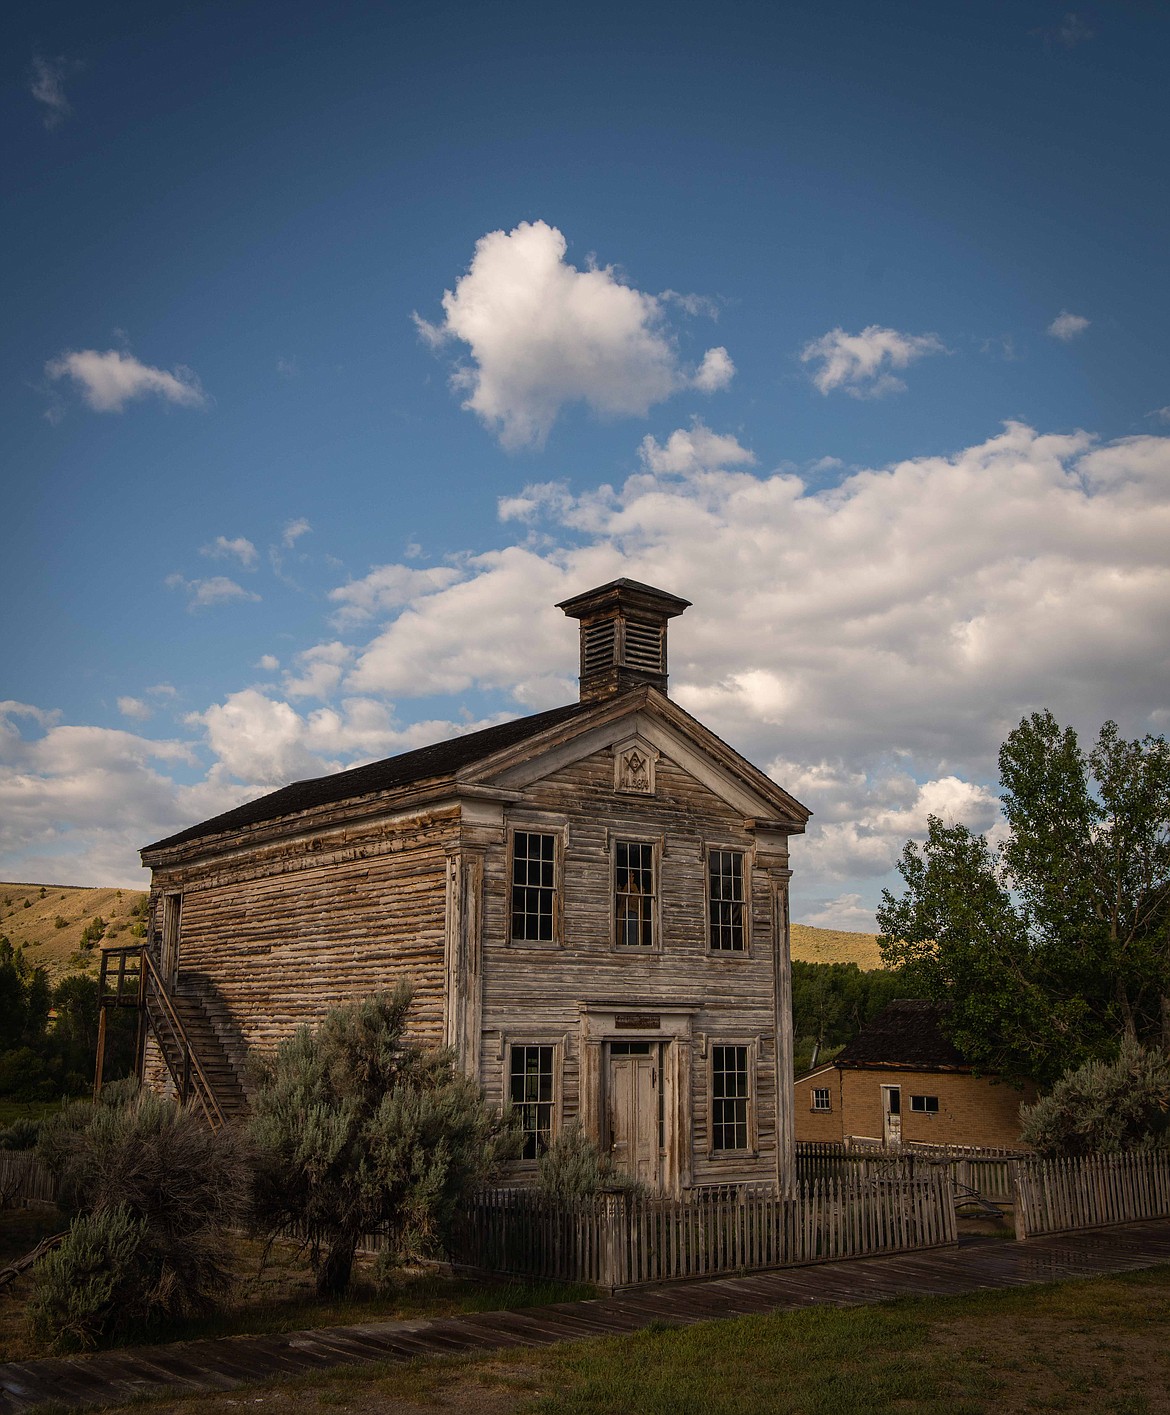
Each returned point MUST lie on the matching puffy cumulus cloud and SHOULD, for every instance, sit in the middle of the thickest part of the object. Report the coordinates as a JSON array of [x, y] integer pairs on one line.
[[385, 589], [693, 449], [715, 372], [268, 662], [203, 594], [293, 531], [135, 708], [265, 742], [77, 802], [846, 911], [111, 380], [542, 333], [240, 549], [1067, 326], [320, 671], [861, 363]]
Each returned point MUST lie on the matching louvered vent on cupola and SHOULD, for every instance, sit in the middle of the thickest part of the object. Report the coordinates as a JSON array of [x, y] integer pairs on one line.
[[623, 636]]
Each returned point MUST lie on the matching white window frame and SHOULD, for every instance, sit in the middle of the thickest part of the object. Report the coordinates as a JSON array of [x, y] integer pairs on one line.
[[818, 1091], [712, 848], [924, 1108]]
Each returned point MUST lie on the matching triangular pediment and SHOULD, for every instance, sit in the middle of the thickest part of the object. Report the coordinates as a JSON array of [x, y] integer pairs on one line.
[[638, 729]]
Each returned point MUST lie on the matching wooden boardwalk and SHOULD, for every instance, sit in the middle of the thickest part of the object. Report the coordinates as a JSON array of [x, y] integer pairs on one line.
[[112, 1377]]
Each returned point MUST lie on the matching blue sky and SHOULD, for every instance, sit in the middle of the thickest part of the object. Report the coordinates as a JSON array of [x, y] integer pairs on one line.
[[845, 321]]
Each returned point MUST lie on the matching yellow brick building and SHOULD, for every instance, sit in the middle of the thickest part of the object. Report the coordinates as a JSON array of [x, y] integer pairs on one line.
[[901, 1081]]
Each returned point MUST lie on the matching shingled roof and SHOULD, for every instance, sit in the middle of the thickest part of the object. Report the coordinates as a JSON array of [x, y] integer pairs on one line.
[[907, 1034], [441, 759]]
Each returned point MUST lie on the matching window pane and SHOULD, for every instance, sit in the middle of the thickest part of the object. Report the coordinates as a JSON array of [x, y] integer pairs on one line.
[[531, 1094], [534, 859], [634, 893], [729, 1098], [725, 899], [821, 1099]]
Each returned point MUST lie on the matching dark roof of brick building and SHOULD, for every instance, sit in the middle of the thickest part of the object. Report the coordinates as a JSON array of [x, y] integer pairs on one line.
[[906, 1034], [441, 759]]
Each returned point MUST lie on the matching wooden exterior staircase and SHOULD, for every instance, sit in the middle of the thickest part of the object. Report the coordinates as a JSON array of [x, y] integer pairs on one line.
[[183, 1027]]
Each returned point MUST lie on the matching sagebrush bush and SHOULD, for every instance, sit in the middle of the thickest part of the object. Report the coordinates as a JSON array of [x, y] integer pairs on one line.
[[90, 1289], [20, 1135], [574, 1168], [1104, 1107], [140, 1154], [357, 1130]]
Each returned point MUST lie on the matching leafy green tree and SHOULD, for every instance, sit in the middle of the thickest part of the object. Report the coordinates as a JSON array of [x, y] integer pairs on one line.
[[1104, 1107], [831, 1002], [357, 1130], [1054, 947]]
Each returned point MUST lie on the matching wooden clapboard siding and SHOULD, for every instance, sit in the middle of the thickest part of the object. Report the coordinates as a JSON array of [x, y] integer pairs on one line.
[[281, 934]]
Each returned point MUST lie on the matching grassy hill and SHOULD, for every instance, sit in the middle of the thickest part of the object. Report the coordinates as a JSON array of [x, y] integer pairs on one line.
[[811, 945], [47, 921], [57, 946]]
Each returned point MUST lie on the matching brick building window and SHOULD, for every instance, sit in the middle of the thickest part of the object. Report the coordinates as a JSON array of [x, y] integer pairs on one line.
[[924, 1105], [820, 1098]]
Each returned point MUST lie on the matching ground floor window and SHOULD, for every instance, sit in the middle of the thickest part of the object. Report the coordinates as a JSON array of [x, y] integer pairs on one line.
[[729, 1097], [821, 1099], [924, 1105], [531, 1094]]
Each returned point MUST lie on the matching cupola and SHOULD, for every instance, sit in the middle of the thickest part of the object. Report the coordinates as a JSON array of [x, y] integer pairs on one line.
[[623, 636]]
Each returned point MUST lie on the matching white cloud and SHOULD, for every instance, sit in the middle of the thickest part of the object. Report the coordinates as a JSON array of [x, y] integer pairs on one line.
[[385, 589], [135, 708], [542, 334], [47, 86], [715, 372], [845, 912], [268, 662], [693, 449], [293, 531], [111, 380], [1067, 326], [162, 690], [861, 363], [203, 594], [239, 549], [321, 668], [1162, 414]]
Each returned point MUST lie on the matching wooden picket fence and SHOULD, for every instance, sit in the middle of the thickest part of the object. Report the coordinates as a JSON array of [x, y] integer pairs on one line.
[[24, 1180], [987, 1172], [1056, 1196], [617, 1241]]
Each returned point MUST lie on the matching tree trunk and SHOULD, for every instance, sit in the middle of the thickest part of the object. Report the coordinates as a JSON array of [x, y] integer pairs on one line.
[[333, 1275]]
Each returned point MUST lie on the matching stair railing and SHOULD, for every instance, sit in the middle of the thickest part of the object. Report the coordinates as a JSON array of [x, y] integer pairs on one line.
[[155, 1006]]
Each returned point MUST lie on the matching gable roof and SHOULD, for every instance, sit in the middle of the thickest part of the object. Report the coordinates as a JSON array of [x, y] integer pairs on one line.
[[407, 769], [907, 1034]]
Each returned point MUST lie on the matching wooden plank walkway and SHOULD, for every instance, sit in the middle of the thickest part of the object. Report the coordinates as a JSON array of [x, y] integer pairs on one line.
[[112, 1377]]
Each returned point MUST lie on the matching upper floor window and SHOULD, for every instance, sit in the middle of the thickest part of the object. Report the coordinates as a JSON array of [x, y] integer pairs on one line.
[[821, 1099], [534, 891], [725, 900], [634, 893], [531, 1093]]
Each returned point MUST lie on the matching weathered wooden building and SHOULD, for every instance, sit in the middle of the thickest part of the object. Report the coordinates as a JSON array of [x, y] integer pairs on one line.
[[591, 905]]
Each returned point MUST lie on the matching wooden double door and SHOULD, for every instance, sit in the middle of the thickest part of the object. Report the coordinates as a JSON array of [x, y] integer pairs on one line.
[[636, 1110]]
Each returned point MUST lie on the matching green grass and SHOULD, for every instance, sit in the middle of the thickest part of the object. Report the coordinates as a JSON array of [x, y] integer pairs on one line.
[[11, 1110], [1100, 1346]]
